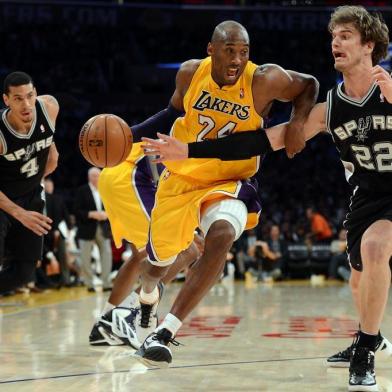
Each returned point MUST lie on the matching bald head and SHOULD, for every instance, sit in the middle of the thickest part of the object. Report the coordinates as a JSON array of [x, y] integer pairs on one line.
[[229, 30], [93, 176]]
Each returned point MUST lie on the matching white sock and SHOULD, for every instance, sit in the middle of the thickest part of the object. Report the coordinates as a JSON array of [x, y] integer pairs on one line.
[[131, 301], [149, 298], [108, 306], [171, 323]]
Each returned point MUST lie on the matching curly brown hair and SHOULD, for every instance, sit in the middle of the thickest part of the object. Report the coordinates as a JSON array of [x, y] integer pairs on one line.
[[371, 27]]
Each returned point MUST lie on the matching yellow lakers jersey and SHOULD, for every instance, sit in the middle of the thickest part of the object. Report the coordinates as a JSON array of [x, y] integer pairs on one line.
[[136, 153], [213, 112]]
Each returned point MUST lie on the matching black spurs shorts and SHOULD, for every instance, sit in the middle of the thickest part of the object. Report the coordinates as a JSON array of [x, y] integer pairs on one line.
[[16, 241], [365, 209]]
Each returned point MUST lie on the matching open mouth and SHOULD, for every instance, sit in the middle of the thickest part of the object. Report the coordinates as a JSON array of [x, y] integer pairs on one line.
[[232, 72], [338, 55]]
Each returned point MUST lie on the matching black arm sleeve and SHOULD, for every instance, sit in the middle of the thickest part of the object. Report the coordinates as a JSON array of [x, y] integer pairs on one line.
[[159, 122], [237, 146]]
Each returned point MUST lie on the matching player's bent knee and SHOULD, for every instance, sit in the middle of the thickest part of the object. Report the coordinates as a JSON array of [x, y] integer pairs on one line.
[[231, 210], [374, 251]]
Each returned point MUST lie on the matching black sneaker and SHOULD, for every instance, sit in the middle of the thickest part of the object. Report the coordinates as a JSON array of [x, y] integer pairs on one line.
[[155, 349], [342, 358], [100, 337], [362, 375]]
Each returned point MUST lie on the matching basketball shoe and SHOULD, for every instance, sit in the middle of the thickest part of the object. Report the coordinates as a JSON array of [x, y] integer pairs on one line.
[[123, 325], [342, 358], [155, 349], [102, 335], [362, 375]]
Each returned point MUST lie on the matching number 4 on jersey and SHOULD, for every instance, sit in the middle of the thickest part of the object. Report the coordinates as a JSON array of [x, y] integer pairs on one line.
[[30, 168]]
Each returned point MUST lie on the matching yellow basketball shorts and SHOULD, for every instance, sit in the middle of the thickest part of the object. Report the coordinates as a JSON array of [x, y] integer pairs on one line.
[[179, 203], [128, 193]]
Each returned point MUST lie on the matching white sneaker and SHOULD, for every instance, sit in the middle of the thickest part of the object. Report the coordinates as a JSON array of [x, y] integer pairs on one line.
[[102, 333], [123, 325]]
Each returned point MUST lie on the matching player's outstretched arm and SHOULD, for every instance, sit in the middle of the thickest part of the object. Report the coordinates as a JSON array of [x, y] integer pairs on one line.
[[36, 222], [236, 146]]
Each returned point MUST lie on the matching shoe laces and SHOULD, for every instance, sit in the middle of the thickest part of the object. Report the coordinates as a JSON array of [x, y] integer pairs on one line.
[[145, 315], [165, 336]]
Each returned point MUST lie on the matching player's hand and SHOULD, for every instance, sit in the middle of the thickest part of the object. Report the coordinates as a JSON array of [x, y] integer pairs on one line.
[[383, 79], [103, 215], [166, 148], [94, 215], [294, 138], [34, 221]]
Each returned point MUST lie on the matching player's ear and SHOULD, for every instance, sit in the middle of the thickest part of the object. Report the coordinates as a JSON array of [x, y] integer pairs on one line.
[[370, 46], [6, 99], [209, 49], [35, 91]]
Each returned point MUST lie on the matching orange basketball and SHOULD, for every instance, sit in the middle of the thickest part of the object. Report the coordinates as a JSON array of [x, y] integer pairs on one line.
[[105, 140]]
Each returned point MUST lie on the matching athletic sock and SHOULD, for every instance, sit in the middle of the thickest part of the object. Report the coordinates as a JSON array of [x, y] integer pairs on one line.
[[149, 298], [171, 323], [367, 340]]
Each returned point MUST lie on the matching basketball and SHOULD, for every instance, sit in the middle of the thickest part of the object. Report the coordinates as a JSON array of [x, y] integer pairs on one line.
[[105, 140]]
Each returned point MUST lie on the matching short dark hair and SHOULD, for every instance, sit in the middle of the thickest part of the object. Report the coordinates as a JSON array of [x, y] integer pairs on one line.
[[15, 79]]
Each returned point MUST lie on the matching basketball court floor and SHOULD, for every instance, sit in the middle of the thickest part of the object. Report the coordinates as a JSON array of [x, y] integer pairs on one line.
[[243, 337]]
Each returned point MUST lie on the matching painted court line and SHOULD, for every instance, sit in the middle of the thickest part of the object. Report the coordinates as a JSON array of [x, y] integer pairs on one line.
[[171, 367]]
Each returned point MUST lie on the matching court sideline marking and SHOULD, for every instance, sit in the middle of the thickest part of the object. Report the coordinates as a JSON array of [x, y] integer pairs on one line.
[[152, 369]]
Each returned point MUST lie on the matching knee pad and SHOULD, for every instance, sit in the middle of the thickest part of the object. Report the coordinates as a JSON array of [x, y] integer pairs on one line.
[[233, 211]]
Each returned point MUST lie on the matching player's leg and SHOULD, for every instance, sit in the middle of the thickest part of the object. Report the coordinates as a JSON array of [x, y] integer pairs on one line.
[[376, 251], [183, 261], [223, 222], [21, 260], [129, 273], [117, 322], [126, 278], [342, 358]]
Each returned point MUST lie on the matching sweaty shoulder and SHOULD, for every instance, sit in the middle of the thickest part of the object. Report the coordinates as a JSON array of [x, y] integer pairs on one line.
[[267, 73], [185, 75], [183, 80], [269, 80]]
